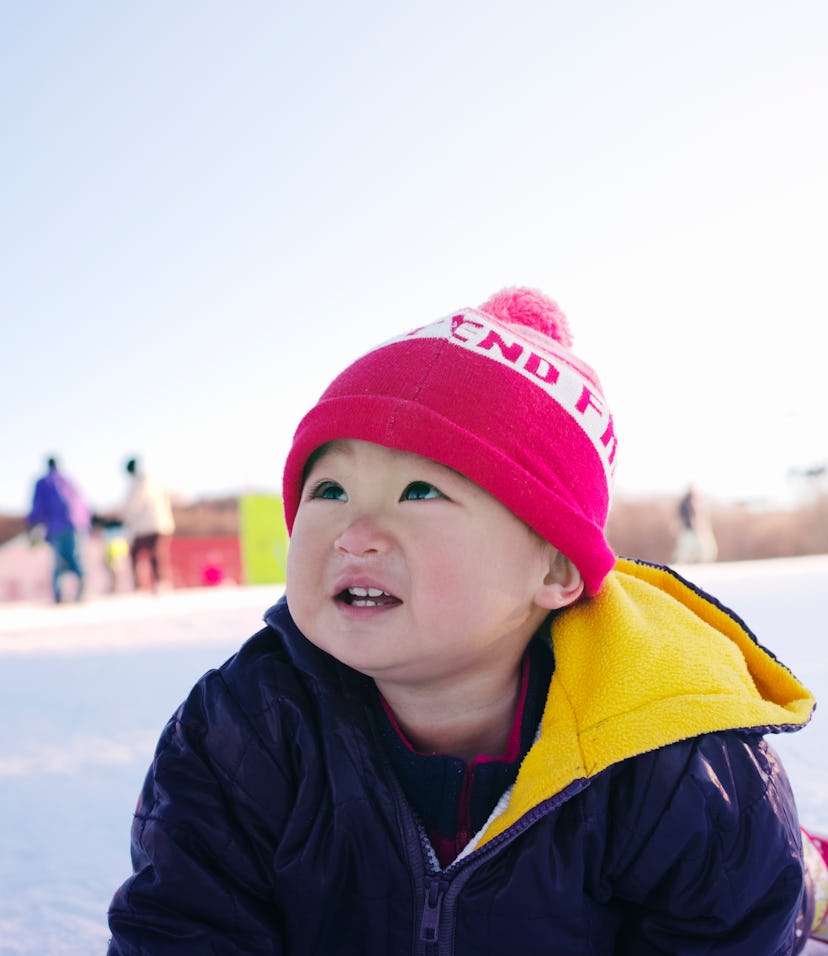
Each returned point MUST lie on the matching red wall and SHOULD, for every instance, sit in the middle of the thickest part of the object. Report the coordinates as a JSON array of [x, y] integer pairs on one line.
[[203, 562]]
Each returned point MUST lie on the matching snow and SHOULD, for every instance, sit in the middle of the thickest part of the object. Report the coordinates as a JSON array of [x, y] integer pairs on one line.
[[85, 690]]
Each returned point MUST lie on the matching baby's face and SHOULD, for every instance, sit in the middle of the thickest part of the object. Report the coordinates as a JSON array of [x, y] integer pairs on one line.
[[407, 571]]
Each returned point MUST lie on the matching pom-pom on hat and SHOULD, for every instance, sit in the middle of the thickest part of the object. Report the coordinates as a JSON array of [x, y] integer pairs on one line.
[[496, 394]]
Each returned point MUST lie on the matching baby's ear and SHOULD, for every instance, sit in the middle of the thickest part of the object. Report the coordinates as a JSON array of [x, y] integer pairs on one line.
[[563, 585]]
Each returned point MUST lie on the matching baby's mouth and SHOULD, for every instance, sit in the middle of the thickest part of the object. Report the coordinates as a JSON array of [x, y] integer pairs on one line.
[[367, 597]]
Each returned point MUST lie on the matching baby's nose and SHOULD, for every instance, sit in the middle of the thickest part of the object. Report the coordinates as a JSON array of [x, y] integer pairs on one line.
[[363, 535]]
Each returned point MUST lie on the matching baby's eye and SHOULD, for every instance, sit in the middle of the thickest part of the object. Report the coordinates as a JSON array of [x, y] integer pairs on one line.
[[419, 491], [329, 491]]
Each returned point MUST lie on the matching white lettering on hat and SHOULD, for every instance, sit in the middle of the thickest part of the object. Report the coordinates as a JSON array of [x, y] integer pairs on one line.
[[556, 372]]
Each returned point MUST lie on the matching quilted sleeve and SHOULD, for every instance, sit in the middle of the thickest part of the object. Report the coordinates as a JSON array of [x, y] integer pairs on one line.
[[203, 831], [711, 860]]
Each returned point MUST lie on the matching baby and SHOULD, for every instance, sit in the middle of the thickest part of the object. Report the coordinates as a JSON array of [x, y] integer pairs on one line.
[[468, 728]]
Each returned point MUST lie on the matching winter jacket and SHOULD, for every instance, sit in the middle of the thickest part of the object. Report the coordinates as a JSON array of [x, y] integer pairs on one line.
[[650, 816], [147, 509], [58, 505]]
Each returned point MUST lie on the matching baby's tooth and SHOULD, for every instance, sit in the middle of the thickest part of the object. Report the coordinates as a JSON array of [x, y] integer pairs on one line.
[[359, 592]]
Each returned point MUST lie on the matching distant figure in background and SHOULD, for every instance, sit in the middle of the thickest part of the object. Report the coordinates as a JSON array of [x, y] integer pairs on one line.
[[115, 554], [114, 548], [696, 541], [149, 524], [61, 509]]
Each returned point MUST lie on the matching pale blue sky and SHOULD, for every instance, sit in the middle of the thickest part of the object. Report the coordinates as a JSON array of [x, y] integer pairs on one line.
[[209, 208]]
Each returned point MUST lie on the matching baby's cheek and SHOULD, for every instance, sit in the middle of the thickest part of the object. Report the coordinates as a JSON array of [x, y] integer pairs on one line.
[[454, 583], [300, 578]]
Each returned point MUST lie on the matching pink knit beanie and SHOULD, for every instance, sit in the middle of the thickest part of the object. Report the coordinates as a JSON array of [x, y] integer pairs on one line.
[[496, 394]]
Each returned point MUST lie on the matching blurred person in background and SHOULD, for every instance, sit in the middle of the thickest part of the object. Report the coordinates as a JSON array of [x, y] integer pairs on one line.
[[696, 541], [114, 549], [149, 524], [115, 554], [61, 510]]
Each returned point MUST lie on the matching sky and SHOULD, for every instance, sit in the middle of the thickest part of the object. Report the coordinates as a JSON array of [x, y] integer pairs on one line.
[[209, 209]]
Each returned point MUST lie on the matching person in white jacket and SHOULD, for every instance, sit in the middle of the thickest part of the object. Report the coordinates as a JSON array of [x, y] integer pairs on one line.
[[149, 524]]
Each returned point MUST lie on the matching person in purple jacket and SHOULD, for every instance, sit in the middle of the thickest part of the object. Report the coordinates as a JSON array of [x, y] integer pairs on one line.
[[60, 508], [468, 728]]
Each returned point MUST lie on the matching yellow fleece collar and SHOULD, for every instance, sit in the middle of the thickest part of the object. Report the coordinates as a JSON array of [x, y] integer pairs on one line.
[[647, 662]]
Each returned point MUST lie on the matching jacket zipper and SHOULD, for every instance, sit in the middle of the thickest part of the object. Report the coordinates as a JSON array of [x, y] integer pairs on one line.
[[432, 908], [433, 887], [444, 887]]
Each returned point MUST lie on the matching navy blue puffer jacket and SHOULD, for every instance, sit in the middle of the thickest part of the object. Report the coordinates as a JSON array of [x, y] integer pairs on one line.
[[649, 817]]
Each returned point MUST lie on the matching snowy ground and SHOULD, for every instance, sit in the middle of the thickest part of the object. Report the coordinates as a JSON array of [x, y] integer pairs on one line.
[[85, 691]]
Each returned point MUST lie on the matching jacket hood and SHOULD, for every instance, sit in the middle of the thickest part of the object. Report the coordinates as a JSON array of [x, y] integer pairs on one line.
[[649, 661]]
